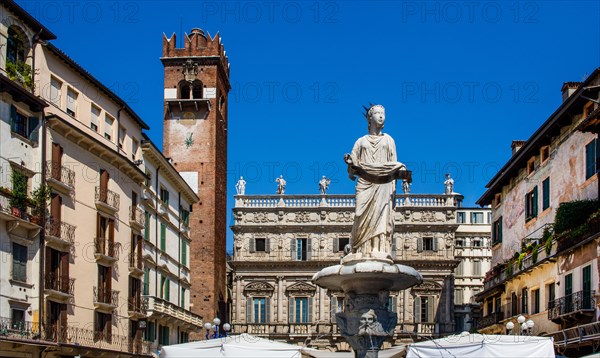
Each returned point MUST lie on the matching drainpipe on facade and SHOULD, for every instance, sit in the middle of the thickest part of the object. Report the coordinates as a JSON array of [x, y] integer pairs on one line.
[[42, 233]]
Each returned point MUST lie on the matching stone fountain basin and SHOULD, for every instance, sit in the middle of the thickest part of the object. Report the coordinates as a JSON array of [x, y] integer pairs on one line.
[[367, 277]]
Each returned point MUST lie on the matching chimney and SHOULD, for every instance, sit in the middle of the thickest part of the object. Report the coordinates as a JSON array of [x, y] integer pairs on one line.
[[516, 145], [568, 88]]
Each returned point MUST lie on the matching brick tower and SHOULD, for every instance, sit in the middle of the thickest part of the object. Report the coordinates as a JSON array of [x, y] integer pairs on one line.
[[195, 137]]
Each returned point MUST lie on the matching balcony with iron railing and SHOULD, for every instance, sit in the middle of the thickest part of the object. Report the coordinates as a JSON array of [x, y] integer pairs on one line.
[[107, 251], [105, 298], [160, 308], [490, 319], [59, 233], [136, 263], [85, 338], [575, 305], [137, 219], [17, 216], [60, 177], [59, 286], [137, 307], [107, 200]]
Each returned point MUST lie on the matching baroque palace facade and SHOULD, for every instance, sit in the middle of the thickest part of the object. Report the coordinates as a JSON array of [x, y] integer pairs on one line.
[[280, 241]]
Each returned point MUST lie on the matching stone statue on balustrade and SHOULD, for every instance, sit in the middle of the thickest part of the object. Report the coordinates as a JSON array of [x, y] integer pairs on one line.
[[324, 184], [373, 159], [240, 187], [406, 186], [449, 184], [280, 185]]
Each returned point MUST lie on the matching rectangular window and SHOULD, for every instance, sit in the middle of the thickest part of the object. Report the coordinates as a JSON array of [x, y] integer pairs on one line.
[[531, 166], [20, 124], [342, 242], [550, 294], [163, 335], [524, 300], [147, 226], [55, 91], [587, 287], [150, 332], [497, 199], [590, 159], [428, 243], [460, 217], [476, 268], [19, 265], [424, 308], [103, 326], [184, 252], [163, 237], [459, 243], [459, 271], [531, 209], [476, 242], [95, 122], [301, 310], [477, 218], [545, 153], [165, 288], [185, 217], [134, 148], [164, 195], [182, 303], [535, 301], [458, 296], [18, 319], [497, 231], [260, 310], [546, 193], [146, 288], [260, 244], [122, 134], [301, 249], [71, 102], [108, 127]]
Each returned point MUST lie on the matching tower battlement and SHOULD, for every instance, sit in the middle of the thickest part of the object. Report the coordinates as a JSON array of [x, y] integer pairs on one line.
[[195, 44]]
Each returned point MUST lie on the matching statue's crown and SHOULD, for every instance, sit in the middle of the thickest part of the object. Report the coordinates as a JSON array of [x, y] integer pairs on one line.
[[368, 110]]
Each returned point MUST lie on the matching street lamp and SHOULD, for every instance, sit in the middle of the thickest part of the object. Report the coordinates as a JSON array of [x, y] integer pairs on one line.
[[509, 327], [525, 325], [214, 327]]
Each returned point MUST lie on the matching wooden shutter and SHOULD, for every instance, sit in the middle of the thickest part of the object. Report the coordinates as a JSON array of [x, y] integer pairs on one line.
[[163, 237], [430, 309], [417, 309], [308, 249], [13, 118], [267, 310], [249, 310], [435, 243], [420, 244], [310, 310], [147, 226], [293, 252], [111, 238], [333, 307], [167, 289], [267, 245], [291, 312], [183, 252], [336, 245], [63, 316], [55, 210], [104, 177], [534, 198], [34, 129], [394, 304], [500, 229], [56, 161], [64, 271], [252, 245]]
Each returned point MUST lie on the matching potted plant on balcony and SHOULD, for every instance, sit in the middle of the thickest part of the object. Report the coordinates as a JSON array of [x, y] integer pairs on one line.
[[18, 199], [39, 199], [20, 72], [547, 240]]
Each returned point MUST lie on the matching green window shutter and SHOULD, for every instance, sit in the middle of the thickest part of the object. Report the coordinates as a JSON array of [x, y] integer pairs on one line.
[[249, 310], [184, 252], [291, 313], [146, 281], [308, 249], [167, 289], [166, 197], [13, 118], [310, 310], [534, 211], [267, 310], [587, 279], [546, 194], [34, 129], [147, 226], [590, 159], [569, 285], [163, 237], [293, 252], [430, 309], [500, 229]]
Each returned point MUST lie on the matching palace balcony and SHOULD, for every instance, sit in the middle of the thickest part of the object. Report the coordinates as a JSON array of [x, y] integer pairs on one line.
[[160, 308], [60, 287], [17, 218], [60, 178], [106, 200], [107, 252], [105, 299], [137, 307], [137, 219], [136, 263], [59, 234], [572, 307], [489, 320]]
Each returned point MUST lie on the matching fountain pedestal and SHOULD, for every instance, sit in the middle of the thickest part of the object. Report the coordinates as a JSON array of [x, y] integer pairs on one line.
[[366, 282]]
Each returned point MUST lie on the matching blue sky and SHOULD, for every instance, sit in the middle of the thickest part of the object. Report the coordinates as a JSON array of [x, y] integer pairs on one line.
[[459, 80]]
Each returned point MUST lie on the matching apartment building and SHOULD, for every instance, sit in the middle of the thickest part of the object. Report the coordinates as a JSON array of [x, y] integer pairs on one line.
[[545, 228]]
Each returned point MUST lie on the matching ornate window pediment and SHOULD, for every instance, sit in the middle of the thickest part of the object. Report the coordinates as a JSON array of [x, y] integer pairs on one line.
[[259, 288], [301, 288], [427, 287]]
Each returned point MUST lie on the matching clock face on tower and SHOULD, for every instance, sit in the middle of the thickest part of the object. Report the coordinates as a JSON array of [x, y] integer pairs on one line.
[[188, 140]]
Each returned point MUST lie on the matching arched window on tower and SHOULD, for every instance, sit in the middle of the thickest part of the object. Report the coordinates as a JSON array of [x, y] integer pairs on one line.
[[197, 89], [184, 90], [16, 45]]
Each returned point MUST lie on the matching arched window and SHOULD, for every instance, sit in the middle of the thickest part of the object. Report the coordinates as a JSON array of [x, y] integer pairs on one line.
[[184, 90], [15, 46], [197, 89]]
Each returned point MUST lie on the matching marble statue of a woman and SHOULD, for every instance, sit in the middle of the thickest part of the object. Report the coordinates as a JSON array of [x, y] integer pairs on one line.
[[373, 160]]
